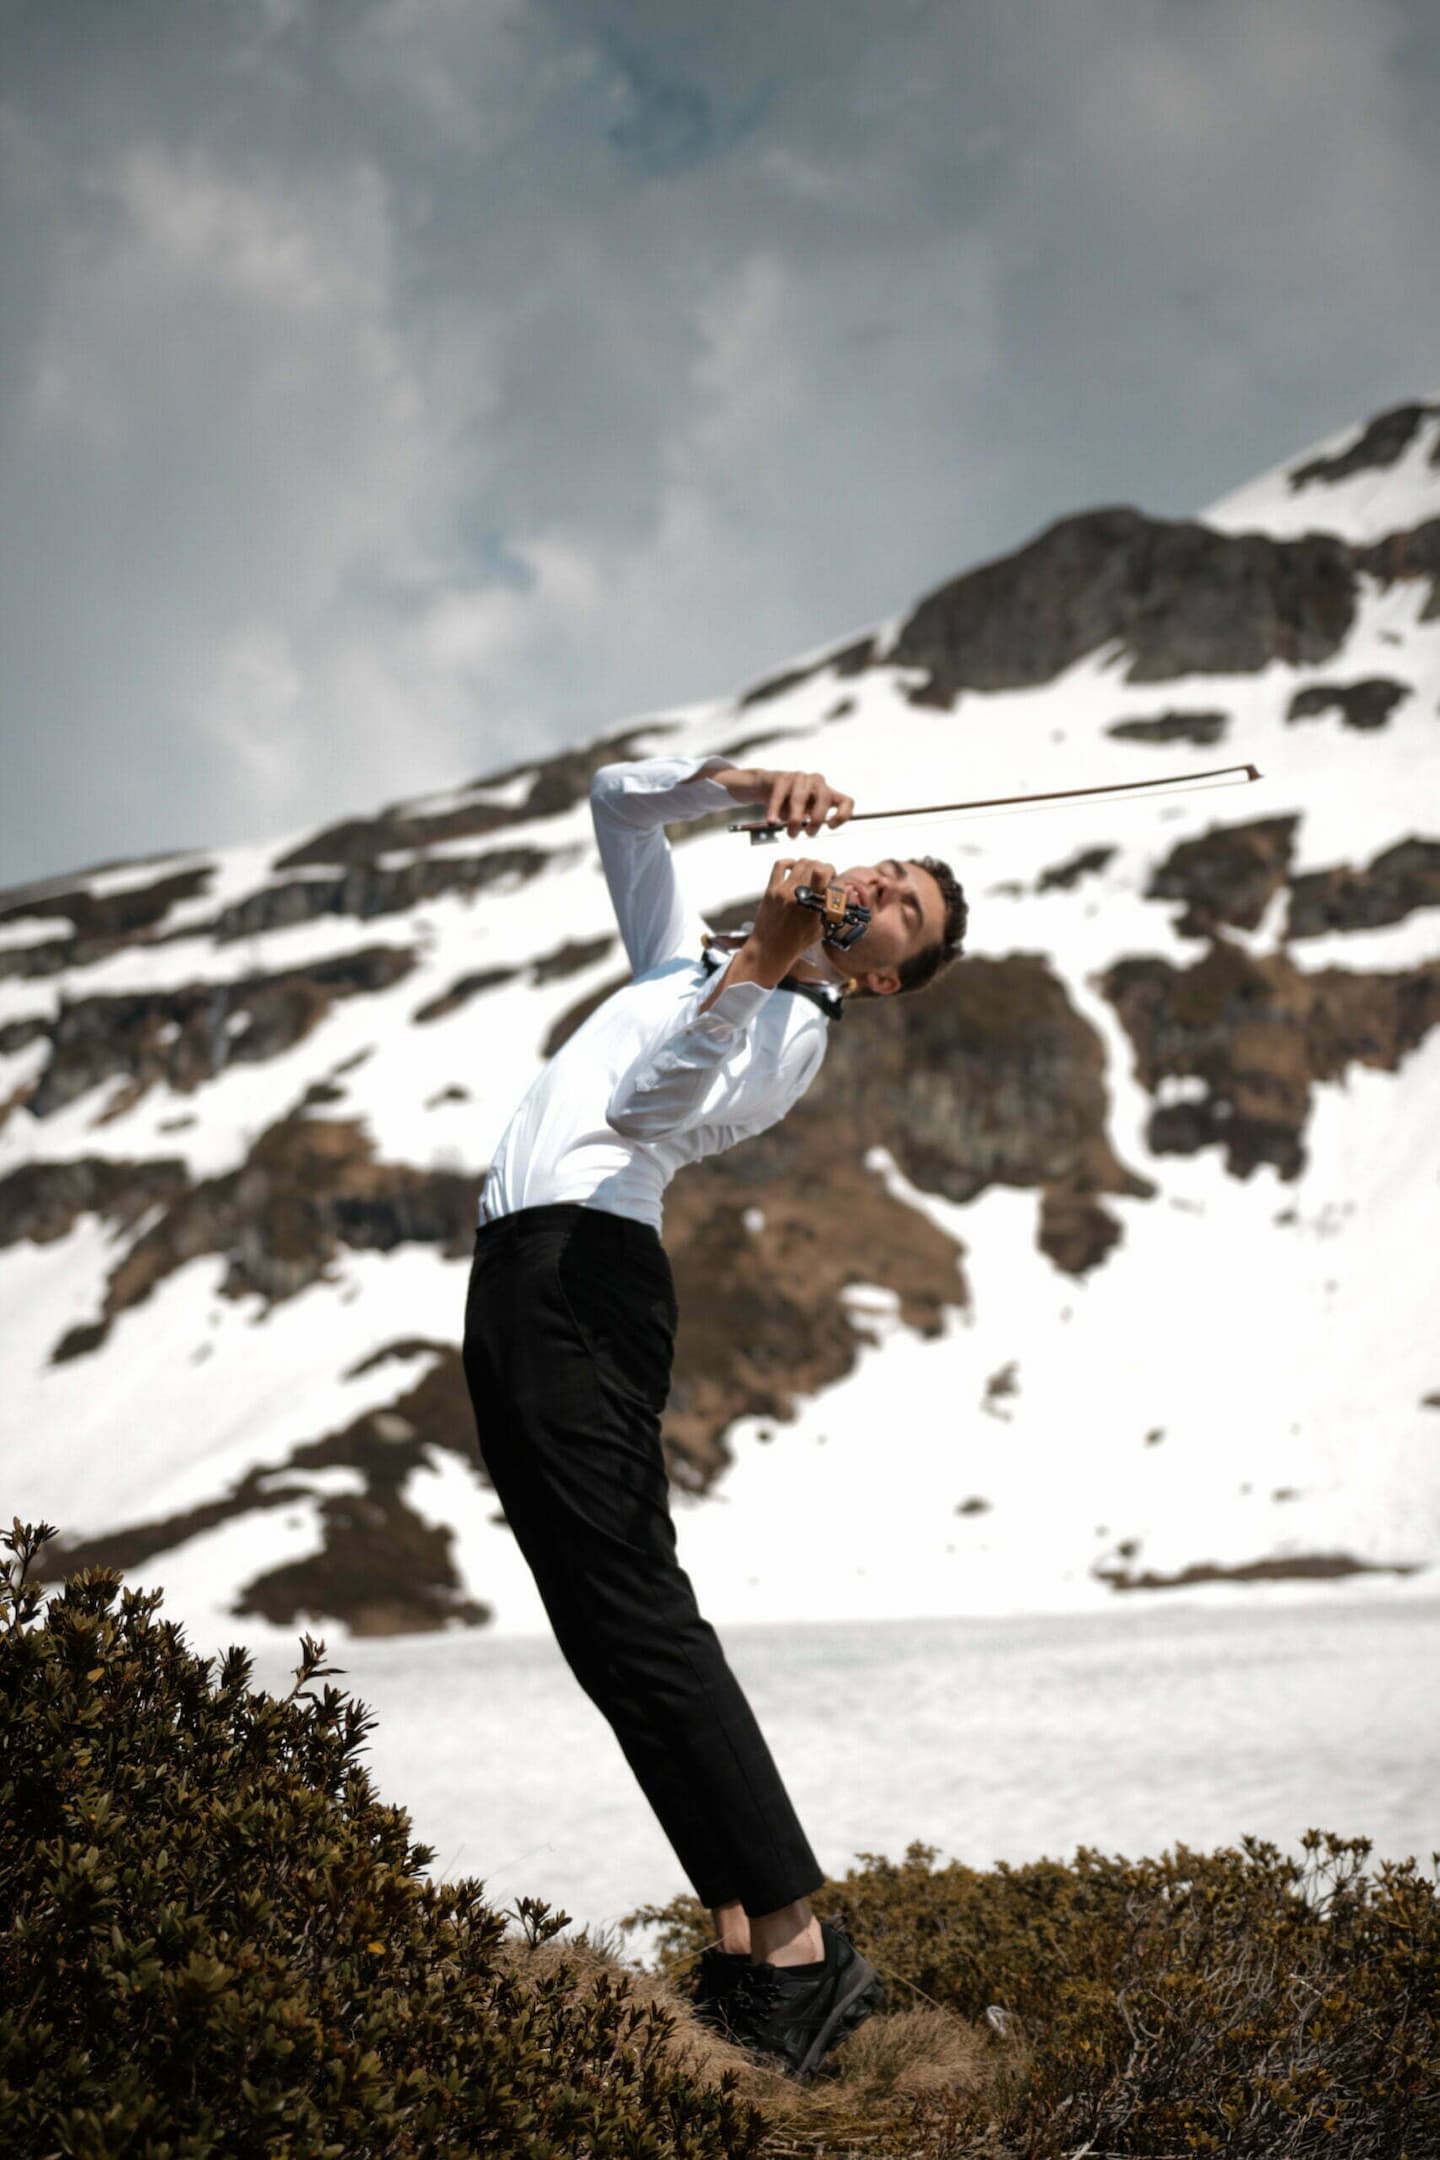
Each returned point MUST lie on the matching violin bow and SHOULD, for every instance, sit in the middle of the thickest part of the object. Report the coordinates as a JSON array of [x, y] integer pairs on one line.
[[764, 830]]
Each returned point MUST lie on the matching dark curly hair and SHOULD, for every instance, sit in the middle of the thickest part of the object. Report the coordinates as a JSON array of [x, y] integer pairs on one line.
[[922, 967]]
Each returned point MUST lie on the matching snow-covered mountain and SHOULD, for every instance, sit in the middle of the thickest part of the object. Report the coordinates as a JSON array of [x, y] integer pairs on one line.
[[1104, 1263]]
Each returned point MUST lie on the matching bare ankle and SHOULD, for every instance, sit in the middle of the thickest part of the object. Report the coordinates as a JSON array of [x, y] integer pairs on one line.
[[788, 1937], [732, 1929]]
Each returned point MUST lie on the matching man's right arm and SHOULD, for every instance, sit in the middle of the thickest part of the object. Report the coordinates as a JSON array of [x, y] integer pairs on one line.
[[782, 930]]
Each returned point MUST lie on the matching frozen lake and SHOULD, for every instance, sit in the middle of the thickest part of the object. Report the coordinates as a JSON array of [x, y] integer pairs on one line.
[[992, 1739]]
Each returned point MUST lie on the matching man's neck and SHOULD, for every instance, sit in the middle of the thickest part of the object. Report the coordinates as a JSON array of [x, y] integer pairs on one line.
[[816, 966]]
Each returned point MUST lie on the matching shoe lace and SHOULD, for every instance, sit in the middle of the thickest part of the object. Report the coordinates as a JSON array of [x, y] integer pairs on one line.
[[756, 1988]]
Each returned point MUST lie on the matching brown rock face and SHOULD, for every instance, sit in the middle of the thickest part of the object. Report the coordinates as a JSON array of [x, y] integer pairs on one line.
[[1201, 728], [308, 1188], [1399, 880], [557, 784], [185, 1037], [369, 889], [100, 921], [1228, 875], [761, 1315], [378, 1567], [1383, 443], [1259, 1035], [41, 1200], [1364, 705], [1180, 598]]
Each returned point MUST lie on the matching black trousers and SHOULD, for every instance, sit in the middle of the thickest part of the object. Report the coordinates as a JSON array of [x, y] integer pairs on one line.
[[569, 1335]]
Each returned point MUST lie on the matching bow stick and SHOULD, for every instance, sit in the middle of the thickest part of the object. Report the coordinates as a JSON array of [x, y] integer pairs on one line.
[[765, 830]]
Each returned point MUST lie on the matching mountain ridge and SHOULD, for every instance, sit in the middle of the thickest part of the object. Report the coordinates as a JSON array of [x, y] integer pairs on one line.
[[264, 1078]]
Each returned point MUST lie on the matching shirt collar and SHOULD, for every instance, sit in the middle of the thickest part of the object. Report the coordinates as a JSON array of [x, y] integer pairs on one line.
[[828, 996]]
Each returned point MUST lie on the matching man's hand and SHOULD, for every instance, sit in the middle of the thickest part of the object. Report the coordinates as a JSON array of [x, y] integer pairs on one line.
[[783, 929], [800, 801]]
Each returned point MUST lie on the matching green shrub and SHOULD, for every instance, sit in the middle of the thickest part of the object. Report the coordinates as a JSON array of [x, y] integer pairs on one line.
[[1237, 2002], [217, 1941]]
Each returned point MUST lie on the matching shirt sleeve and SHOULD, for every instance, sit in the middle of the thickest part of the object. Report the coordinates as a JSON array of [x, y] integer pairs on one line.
[[631, 805], [709, 1071]]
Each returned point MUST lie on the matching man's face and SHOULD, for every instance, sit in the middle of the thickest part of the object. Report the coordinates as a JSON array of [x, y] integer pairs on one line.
[[907, 916]]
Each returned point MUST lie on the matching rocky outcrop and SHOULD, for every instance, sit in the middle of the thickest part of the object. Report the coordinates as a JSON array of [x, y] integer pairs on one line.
[[461, 991], [1412, 554], [370, 889], [1063, 877], [182, 1038], [378, 1567], [557, 784], [307, 1189], [1255, 1036], [1179, 598], [851, 660], [107, 918], [1201, 728], [1365, 705], [98, 924], [1284, 1567], [1398, 881], [1229, 874], [1382, 444], [763, 1241], [42, 1201]]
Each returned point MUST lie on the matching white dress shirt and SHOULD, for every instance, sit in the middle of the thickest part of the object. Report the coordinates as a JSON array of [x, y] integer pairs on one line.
[[650, 1083]]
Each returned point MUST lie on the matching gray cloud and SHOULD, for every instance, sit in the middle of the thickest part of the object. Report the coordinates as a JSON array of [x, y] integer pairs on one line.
[[396, 388]]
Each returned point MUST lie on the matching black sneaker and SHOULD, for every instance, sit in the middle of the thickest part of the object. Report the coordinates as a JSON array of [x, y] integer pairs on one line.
[[797, 2014], [715, 1983]]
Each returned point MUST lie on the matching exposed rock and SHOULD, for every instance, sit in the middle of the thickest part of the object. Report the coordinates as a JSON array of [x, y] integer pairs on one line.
[[999, 1388], [1075, 1231], [307, 1188], [1063, 876], [46, 958], [1180, 598], [42, 1200], [380, 1569], [559, 783], [111, 917], [461, 991], [1412, 554], [103, 923], [1365, 705], [570, 958], [1259, 1035], [990, 1077], [851, 661], [1296, 1567], [973, 1506], [1228, 875], [18, 1034], [367, 890], [185, 1037], [1202, 728], [762, 1320], [1382, 444], [1401, 879]]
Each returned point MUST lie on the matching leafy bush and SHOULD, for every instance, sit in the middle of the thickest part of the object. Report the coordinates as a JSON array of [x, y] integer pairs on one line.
[[1237, 2002], [217, 1940]]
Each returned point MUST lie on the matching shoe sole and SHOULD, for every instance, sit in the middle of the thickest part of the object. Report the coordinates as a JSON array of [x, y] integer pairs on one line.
[[861, 2000]]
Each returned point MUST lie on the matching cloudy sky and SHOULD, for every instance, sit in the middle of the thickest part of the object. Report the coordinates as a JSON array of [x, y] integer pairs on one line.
[[395, 388]]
